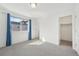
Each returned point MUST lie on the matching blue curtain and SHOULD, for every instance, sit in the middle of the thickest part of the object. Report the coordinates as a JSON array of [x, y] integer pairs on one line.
[[30, 31], [8, 40]]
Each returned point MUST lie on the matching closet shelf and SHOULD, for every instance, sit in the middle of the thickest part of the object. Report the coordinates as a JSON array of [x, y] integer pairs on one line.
[[66, 24]]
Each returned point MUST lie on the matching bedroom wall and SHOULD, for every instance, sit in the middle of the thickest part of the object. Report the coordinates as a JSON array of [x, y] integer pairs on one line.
[[76, 28], [48, 18], [3, 29], [49, 26], [20, 36], [48, 29], [35, 28], [17, 36]]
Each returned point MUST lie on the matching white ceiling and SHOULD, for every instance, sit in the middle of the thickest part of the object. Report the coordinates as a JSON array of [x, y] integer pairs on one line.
[[42, 9]]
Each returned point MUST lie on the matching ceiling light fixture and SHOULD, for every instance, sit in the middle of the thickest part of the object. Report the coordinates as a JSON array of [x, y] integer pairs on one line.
[[33, 5]]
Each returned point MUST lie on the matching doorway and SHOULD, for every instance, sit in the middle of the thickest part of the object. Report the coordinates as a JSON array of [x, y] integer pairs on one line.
[[65, 30]]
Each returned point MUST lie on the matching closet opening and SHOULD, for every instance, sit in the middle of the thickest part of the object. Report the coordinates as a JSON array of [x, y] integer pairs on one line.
[[65, 30]]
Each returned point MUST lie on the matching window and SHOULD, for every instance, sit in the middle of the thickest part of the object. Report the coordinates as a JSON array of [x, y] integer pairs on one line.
[[18, 25], [15, 23], [24, 25], [15, 26]]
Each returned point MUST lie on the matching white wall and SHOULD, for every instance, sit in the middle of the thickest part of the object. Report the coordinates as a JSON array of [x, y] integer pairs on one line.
[[76, 28], [49, 26], [48, 17], [3, 29], [20, 36], [48, 29], [17, 36], [35, 28]]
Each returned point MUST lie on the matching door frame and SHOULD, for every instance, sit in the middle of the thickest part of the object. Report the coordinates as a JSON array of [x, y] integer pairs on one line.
[[72, 28]]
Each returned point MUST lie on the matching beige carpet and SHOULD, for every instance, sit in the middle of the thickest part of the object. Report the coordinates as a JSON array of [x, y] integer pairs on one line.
[[37, 48]]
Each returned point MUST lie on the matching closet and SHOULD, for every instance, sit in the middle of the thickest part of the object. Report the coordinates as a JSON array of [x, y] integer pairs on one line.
[[66, 30]]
